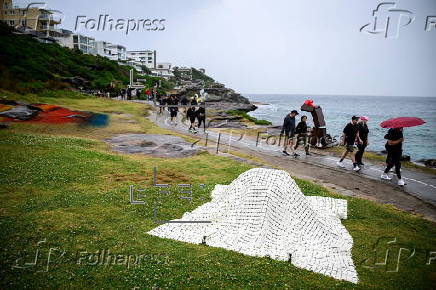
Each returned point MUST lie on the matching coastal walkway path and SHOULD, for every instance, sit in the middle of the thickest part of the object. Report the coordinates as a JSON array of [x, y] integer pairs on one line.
[[417, 196]]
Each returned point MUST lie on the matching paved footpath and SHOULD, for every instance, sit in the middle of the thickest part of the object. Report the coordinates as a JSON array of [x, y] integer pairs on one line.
[[417, 196]]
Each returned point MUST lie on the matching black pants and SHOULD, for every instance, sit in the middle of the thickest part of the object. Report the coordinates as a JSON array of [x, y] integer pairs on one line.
[[359, 153], [200, 120], [302, 137], [394, 159]]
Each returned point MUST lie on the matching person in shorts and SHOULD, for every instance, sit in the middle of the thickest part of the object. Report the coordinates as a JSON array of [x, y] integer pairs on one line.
[[173, 110], [350, 135], [191, 115]]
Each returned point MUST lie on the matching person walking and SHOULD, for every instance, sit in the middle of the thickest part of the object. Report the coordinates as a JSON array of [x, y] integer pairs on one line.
[[301, 130], [194, 101], [201, 115], [183, 102], [173, 110], [288, 129], [363, 135], [350, 135], [394, 147], [191, 114]]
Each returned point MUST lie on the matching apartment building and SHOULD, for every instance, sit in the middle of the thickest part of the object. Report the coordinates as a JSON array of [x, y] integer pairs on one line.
[[77, 41], [112, 51], [163, 69], [30, 18], [144, 57]]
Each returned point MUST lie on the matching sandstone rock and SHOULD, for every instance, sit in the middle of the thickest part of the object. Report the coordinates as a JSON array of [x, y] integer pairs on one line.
[[228, 106], [430, 163], [153, 144]]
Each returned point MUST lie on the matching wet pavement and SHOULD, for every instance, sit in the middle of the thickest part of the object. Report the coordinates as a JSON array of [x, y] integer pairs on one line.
[[419, 185]]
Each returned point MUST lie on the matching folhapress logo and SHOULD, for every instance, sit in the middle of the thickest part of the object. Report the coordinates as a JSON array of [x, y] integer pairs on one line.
[[387, 20]]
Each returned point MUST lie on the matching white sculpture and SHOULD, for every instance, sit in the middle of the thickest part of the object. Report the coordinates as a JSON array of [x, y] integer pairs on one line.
[[264, 213]]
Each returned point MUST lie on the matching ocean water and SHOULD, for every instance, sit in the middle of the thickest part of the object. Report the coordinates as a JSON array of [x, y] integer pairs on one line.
[[420, 142]]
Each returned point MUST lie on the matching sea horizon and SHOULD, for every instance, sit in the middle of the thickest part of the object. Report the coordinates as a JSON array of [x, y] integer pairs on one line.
[[333, 95]]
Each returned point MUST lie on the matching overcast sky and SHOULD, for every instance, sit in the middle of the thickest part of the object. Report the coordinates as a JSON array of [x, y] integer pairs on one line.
[[279, 46]]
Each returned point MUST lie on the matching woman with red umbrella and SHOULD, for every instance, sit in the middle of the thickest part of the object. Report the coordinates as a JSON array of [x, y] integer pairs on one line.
[[394, 144]]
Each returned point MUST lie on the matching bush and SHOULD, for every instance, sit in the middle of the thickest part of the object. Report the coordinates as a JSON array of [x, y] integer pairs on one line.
[[248, 117], [27, 65]]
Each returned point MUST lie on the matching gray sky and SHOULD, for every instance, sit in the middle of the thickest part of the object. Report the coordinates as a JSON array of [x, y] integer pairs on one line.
[[280, 46]]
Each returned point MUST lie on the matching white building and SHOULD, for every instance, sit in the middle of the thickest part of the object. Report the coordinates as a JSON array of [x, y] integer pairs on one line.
[[163, 69], [136, 65], [112, 51], [77, 41], [145, 57]]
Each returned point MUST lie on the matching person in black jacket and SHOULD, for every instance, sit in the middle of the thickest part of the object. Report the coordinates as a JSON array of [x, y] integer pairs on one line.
[[301, 130], [201, 115], [288, 129], [362, 127], [394, 146], [191, 114], [350, 136], [173, 110]]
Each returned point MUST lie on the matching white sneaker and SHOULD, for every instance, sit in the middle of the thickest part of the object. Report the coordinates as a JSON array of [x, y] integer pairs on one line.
[[356, 168], [385, 177], [401, 182], [340, 164]]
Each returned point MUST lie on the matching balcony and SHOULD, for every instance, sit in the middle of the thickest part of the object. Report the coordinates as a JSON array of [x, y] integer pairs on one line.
[[53, 19]]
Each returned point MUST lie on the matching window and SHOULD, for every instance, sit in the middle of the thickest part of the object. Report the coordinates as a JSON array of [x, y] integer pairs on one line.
[[11, 22], [23, 23]]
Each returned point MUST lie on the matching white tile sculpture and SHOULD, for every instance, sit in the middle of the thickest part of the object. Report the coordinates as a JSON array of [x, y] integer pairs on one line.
[[264, 213]]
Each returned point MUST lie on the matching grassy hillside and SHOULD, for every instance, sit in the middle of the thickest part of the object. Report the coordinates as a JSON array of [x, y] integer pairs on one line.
[[62, 185], [27, 65], [198, 75]]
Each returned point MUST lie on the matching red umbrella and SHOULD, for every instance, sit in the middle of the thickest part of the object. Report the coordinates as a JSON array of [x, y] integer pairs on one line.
[[402, 122]]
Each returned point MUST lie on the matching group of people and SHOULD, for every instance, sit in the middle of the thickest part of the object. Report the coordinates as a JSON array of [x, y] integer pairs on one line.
[[355, 135], [196, 113], [292, 131]]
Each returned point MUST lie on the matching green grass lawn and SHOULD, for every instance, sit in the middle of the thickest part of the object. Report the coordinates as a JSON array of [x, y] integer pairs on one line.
[[63, 186]]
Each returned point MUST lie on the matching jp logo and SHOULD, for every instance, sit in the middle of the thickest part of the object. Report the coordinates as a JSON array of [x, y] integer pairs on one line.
[[46, 18], [388, 254], [387, 20]]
